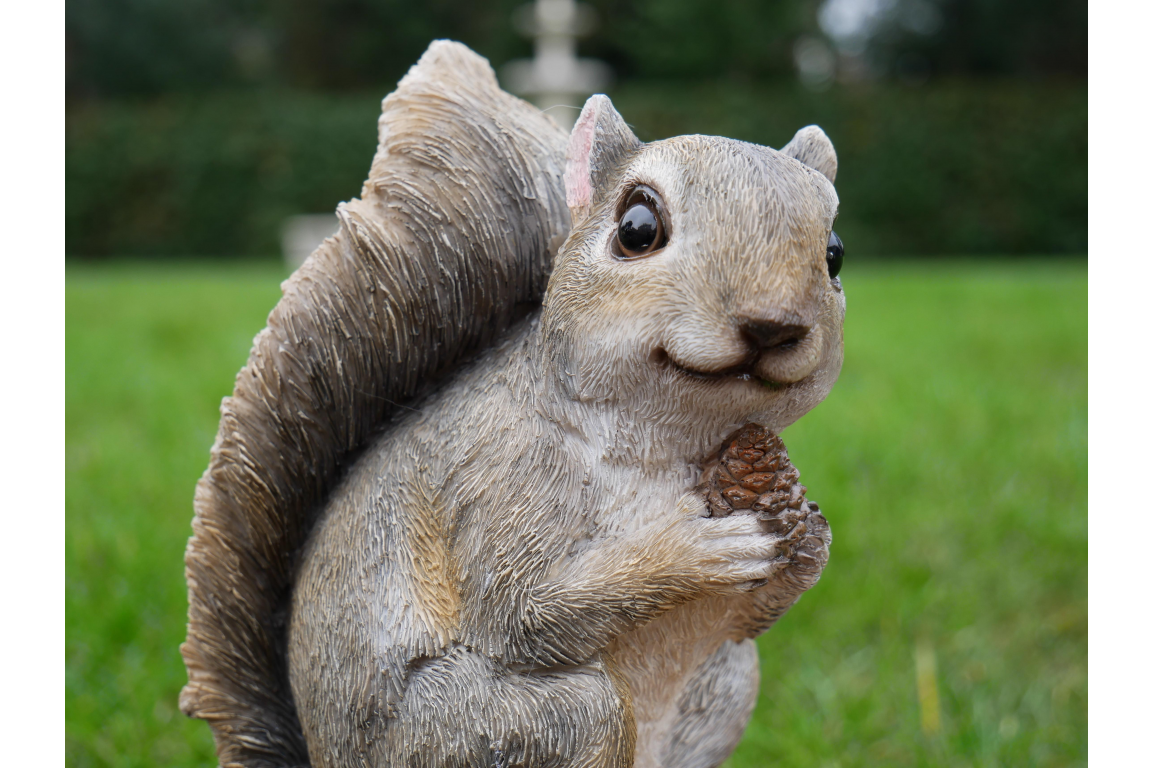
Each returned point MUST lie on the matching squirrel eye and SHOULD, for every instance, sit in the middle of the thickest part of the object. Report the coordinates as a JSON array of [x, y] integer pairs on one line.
[[641, 231], [835, 254]]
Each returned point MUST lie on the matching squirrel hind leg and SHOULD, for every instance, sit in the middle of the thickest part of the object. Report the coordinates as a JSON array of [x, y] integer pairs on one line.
[[462, 709], [710, 715]]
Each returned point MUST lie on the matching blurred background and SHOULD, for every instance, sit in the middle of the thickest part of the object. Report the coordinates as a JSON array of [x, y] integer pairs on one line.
[[950, 627], [195, 128]]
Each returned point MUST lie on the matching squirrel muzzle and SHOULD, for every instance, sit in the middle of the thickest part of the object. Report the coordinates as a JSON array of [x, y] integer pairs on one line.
[[782, 352]]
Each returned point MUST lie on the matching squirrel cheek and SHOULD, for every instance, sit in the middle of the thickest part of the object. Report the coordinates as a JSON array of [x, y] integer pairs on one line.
[[706, 350]]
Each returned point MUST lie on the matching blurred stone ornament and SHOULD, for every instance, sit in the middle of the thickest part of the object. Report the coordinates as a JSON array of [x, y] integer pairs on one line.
[[555, 79], [303, 234]]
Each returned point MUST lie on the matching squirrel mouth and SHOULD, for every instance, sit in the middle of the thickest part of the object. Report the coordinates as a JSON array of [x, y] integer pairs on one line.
[[742, 372]]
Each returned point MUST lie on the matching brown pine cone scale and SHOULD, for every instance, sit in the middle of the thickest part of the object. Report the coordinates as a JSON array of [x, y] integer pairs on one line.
[[752, 472]]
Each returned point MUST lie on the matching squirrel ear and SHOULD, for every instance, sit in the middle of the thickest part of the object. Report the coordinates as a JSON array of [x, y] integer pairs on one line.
[[812, 147], [600, 142]]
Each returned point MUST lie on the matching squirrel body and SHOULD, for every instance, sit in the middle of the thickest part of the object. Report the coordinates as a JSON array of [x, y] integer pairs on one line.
[[527, 548], [516, 567]]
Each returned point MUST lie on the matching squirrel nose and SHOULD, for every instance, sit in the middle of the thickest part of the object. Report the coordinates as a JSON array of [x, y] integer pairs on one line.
[[769, 334]]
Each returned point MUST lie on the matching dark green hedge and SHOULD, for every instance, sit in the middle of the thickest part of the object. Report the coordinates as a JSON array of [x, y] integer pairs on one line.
[[975, 168], [950, 168]]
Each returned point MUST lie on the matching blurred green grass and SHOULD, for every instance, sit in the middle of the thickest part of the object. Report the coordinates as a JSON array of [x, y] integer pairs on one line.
[[951, 460]]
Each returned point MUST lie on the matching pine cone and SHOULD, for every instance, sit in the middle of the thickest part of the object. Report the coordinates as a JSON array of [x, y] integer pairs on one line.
[[752, 473]]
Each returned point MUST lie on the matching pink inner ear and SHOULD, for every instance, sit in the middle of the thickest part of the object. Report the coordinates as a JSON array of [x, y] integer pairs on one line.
[[577, 174]]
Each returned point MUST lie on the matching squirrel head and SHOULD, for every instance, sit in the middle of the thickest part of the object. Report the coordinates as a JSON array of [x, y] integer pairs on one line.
[[695, 284]]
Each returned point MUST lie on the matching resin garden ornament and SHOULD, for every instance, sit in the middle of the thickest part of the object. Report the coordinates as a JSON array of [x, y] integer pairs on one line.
[[500, 484]]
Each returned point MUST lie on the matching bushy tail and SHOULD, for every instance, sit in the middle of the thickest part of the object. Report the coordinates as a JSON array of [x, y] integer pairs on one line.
[[451, 240]]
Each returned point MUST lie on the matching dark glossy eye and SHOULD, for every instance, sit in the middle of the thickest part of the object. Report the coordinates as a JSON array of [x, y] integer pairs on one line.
[[835, 254], [641, 231], [639, 228]]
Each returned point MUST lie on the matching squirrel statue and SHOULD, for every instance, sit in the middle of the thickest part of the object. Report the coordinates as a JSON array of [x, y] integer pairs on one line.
[[499, 484]]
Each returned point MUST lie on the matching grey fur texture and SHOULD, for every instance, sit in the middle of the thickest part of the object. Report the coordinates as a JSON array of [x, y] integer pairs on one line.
[[451, 241], [515, 568]]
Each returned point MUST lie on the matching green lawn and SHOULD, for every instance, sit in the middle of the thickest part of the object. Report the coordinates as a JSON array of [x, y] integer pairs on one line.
[[951, 461]]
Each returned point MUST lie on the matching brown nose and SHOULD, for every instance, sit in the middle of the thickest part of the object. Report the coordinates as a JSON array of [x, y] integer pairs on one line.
[[768, 334]]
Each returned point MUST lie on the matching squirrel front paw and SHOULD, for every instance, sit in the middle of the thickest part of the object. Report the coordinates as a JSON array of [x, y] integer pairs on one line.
[[732, 554], [804, 548]]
